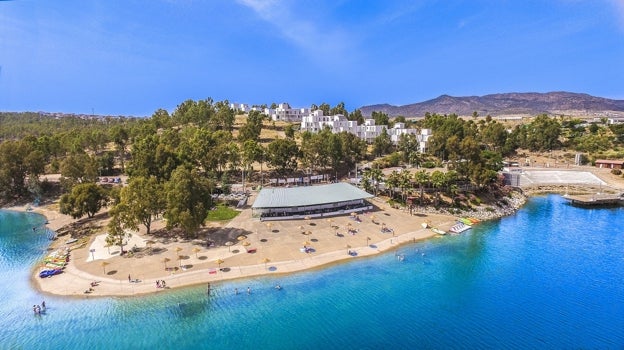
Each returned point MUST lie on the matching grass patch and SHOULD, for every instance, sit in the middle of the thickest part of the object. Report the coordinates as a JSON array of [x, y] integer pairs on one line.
[[221, 213]]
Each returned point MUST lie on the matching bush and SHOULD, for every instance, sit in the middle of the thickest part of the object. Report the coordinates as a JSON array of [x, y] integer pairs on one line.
[[616, 171]]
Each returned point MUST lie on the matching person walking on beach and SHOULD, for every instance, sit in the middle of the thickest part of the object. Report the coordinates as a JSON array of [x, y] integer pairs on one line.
[[129, 279]]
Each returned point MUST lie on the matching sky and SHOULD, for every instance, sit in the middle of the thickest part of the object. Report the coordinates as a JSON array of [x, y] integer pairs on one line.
[[127, 57]]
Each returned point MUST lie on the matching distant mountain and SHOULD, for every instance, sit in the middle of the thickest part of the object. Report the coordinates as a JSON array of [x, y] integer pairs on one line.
[[529, 103]]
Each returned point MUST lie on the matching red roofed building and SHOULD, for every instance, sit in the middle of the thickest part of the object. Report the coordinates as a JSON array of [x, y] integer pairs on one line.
[[609, 164]]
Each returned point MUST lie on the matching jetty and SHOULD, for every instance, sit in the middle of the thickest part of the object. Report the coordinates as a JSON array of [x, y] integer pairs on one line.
[[595, 200]]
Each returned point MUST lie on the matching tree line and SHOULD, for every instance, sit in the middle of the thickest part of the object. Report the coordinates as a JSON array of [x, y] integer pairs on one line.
[[175, 161]]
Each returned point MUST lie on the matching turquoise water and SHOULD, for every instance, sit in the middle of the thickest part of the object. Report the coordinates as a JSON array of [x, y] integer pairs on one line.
[[549, 277]]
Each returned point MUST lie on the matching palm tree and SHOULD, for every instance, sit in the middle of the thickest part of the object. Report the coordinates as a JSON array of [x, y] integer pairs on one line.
[[438, 180], [393, 181], [421, 178], [405, 182]]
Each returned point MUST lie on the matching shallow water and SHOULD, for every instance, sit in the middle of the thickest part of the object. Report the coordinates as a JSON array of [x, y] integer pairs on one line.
[[548, 277]]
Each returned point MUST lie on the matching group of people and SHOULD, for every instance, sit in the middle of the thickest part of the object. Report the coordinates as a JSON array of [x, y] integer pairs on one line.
[[161, 284], [37, 310]]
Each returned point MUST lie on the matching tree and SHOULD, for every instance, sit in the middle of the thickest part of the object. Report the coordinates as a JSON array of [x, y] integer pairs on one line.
[[393, 181], [84, 199], [252, 128], [380, 118], [20, 163], [252, 152], [283, 155], [382, 144], [143, 201], [78, 168], [188, 200], [375, 175], [116, 226], [120, 137], [421, 178], [438, 180]]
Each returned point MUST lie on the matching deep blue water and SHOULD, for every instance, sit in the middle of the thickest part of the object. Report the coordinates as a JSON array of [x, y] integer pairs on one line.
[[551, 276]]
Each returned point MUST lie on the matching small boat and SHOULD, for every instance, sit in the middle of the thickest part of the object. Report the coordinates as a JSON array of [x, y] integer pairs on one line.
[[49, 272], [465, 221], [438, 231]]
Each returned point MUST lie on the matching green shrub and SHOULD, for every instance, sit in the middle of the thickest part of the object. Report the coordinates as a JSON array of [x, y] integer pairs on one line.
[[616, 171]]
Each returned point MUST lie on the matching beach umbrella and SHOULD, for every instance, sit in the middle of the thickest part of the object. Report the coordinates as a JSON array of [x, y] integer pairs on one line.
[[330, 222], [306, 243], [178, 249], [229, 245], [348, 248], [103, 264], [309, 233], [149, 243], [165, 260], [269, 225], [246, 243], [353, 214], [373, 218], [108, 246], [196, 250], [265, 261], [367, 239], [302, 229], [219, 262], [241, 238], [180, 257]]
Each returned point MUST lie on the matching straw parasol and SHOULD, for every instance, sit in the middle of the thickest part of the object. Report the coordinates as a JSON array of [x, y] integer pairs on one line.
[[306, 243], [246, 243], [149, 243], [265, 261], [241, 237], [309, 233], [353, 213], [302, 229], [330, 222], [180, 257], [196, 250], [165, 260], [103, 264], [219, 262]]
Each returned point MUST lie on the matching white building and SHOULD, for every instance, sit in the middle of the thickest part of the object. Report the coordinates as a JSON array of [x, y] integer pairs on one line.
[[284, 113], [316, 121]]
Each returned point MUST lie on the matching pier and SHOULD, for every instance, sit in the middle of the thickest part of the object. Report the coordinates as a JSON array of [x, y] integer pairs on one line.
[[598, 199]]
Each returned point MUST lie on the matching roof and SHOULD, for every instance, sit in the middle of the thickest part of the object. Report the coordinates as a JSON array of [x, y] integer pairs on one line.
[[610, 161], [308, 195]]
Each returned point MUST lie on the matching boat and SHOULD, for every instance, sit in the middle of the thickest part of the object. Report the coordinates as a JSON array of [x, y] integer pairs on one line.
[[465, 221], [49, 272], [460, 227], [438, 231]]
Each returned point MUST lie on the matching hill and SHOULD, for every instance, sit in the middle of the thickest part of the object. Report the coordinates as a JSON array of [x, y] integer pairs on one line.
[[529, 103]]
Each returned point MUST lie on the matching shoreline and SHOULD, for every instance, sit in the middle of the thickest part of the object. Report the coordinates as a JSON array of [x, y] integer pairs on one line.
[[271, 259]]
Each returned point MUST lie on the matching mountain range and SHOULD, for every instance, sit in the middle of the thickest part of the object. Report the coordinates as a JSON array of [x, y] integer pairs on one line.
[[529, 103]]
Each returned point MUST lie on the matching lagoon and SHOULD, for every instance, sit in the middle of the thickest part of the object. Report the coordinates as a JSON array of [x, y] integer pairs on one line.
[[548, 277]]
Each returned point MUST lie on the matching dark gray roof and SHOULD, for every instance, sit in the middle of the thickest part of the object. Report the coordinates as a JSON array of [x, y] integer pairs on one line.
[[280, 197]]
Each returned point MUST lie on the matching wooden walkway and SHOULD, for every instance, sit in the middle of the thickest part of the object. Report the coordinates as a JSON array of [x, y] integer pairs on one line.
[[600, 199]]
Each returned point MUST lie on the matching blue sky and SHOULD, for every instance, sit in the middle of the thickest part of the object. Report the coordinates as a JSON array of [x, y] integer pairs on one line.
[[127, 57]]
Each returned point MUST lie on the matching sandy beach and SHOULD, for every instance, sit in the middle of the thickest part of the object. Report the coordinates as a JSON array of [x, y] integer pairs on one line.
[[262, 249], [256, 248]]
